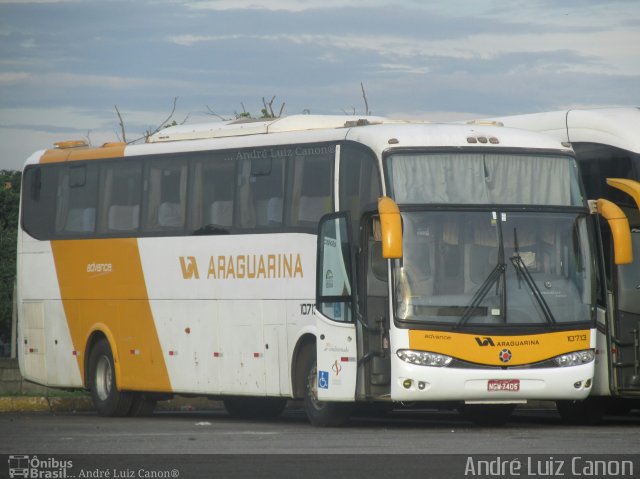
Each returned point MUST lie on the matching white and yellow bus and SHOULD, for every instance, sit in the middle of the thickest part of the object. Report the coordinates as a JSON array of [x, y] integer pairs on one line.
[[316, 258], [607, 146]]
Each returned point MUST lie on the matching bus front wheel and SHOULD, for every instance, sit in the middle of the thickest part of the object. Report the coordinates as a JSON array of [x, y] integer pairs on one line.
[[320, 413], [587, 412], [107, 400]]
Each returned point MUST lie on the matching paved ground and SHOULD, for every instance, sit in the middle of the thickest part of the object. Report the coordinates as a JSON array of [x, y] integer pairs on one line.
[[415, 432], [405, 444]]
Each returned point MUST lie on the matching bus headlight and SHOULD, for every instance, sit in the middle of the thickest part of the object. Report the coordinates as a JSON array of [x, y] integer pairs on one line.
[[576, 358], [423, 358]]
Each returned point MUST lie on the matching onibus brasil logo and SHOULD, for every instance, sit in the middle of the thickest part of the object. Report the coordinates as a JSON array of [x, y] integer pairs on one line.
[[32, 467]]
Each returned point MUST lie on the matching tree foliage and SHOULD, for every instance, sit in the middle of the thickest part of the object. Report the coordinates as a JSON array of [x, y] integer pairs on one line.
[[9, 204]]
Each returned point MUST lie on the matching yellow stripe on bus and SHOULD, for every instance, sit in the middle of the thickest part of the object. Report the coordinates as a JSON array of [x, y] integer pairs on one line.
[[103, 288], [487, 349]]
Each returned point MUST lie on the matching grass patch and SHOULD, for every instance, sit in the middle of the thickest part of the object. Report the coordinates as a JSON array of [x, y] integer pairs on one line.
[[51, 392]]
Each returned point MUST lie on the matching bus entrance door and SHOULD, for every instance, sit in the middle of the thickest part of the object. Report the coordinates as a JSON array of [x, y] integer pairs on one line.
[[375, 318], [337, 362], [626, 324], [626, 338]]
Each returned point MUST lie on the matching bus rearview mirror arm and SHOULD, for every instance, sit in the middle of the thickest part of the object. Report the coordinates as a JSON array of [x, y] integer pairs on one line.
[[620, 231], [630, 187]]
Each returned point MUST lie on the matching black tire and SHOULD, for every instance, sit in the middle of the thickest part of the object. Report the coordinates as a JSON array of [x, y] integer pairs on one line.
[[107, 400], [487, 415], [142, 405], [619, 407], [587, 412], [254, 408], [320, 413]]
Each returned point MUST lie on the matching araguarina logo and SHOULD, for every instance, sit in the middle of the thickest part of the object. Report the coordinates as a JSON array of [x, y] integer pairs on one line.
[[485, 341]]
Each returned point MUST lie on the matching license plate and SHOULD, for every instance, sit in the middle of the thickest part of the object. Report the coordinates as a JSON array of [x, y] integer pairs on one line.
[[503, 385]]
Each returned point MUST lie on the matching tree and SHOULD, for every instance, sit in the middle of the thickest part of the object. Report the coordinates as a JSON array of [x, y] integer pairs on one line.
[[265, 113], [167, 122], [9, 204]]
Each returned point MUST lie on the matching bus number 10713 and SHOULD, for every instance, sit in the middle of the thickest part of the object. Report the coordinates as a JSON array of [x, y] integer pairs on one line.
[[307, 309]]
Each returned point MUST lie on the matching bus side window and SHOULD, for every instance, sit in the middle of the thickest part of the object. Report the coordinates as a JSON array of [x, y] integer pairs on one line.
[[359, 182], [121, 193], [77, 200], [260, 192], [39, 201], [166, 195], [212, 193], [312, 189], [599, 162]]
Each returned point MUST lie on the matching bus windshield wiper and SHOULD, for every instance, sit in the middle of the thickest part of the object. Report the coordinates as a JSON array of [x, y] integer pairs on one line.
[[481, 293], [523, 271], [494, 276]]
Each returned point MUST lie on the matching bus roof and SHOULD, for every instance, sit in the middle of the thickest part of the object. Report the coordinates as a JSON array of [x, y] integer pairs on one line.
[[378, 133], [618, 127], [243, 127], [411, 135]]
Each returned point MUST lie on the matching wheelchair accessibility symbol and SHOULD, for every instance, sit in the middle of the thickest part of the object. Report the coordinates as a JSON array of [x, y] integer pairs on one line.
[[323, 379]]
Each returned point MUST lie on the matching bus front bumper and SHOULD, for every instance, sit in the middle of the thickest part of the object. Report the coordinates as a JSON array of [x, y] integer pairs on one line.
[[425, 383]]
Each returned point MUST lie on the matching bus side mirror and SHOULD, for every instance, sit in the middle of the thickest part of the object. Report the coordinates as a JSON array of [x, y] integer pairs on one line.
[[391, 226], [620, 231]]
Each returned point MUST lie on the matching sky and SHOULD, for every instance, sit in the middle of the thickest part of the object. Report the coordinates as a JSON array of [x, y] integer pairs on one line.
[[65, 65]]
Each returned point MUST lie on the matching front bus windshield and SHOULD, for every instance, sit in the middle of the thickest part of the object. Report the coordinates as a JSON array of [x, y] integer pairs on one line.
[[499, 239]]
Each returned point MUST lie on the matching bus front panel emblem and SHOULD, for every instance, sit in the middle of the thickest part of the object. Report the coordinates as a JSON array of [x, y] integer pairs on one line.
[[505, 355]]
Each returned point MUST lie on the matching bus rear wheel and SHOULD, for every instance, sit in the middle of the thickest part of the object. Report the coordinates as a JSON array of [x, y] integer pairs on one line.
[[142, 405], [320, 413], [254, 408], [107, 400]]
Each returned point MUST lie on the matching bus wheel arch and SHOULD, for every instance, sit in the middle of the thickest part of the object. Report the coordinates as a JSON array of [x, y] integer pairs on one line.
[[321, 413], [94, 338], [102, 380], [305, 347], [97, 334]]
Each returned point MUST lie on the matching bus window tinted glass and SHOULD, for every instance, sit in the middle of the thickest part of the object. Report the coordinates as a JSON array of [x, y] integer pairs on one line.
[[213, 188], [121, 187], [40, 186], [312, 192], [261, 183], [77, 200], [167, 195], [599, 162], [359, 182]]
